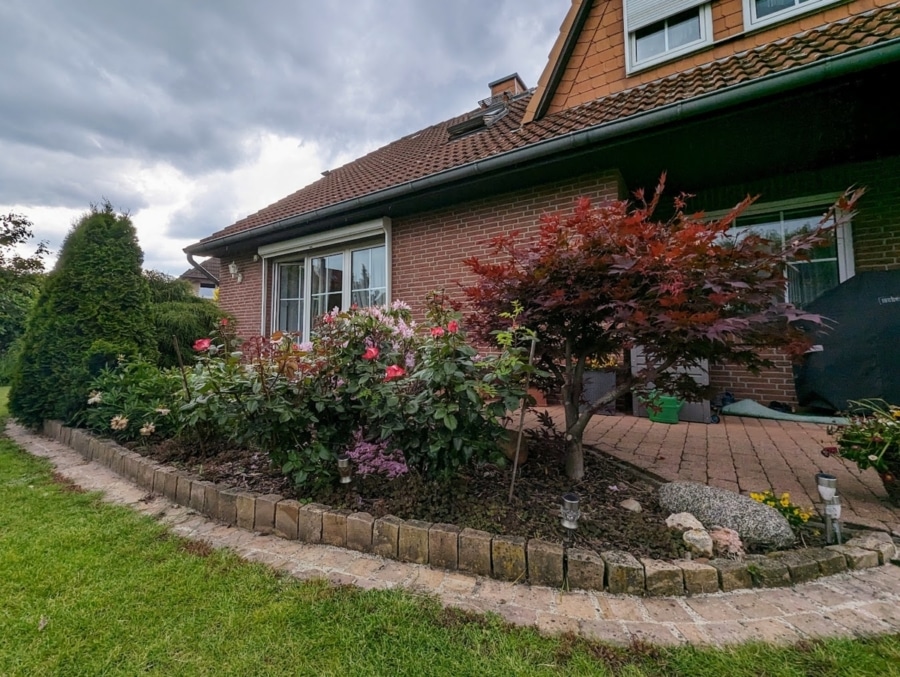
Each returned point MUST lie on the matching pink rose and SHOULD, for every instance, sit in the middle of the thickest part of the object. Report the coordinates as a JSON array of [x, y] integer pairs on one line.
[[437, 331], [453, 326], [394, 371], [371, 353], [202, 344]]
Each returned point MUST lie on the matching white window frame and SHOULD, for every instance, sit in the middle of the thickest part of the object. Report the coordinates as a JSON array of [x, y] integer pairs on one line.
[[751, 21], [843, 233], [632, 65], [338, 241]]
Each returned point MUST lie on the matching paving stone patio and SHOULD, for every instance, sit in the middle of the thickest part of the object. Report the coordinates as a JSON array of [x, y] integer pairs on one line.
[[853, 604], [744, 454]]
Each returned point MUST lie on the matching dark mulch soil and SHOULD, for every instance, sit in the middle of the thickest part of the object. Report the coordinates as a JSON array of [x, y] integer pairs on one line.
[[476, 498]]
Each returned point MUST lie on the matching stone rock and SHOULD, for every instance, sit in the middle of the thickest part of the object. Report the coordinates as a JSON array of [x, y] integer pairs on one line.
[[756, 523], [683, 521], [699, 542], [727, 543], [631, 504]]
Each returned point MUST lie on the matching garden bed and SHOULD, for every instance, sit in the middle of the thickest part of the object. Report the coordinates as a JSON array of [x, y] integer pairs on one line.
[[476, 498]]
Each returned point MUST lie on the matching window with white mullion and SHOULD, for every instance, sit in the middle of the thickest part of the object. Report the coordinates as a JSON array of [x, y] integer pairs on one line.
[[654, 37], [761, 12], [291, 283], [825, 266], [368, 281]]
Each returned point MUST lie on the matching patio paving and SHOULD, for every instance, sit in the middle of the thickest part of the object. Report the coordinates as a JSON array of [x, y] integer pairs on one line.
[[744, 454]]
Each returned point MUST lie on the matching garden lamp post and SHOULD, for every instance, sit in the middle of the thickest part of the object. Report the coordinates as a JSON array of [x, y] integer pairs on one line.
[[569, 514], [827, 486], [344, 469]]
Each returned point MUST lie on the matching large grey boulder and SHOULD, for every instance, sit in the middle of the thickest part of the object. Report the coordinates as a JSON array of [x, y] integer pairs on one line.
[[757, 524]]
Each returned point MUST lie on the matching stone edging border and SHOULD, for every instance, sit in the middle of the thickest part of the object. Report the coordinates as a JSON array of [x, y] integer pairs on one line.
[[446, 546]]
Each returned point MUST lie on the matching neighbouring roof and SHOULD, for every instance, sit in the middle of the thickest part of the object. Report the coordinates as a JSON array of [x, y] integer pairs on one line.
[[432, 151], [212, 266]]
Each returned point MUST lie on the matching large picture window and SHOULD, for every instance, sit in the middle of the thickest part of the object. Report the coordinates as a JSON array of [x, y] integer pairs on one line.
[[310, 286], [313, 274], [824, 268]]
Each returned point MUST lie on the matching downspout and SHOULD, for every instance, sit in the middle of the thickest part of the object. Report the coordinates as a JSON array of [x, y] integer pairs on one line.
[[203, 271]]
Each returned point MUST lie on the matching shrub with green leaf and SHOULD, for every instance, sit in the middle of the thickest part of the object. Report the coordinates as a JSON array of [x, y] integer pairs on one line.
[[367, 377], [135, 400], [178, 315], [92, 308]]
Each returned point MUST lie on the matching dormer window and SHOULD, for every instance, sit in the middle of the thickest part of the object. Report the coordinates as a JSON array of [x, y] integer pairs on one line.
[[761, 12], [657, 31]]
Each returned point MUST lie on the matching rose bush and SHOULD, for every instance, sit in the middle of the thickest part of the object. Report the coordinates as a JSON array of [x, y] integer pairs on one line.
[[368, 384]]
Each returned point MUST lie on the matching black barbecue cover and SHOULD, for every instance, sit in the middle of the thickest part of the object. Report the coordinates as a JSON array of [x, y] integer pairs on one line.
[[860, 356]]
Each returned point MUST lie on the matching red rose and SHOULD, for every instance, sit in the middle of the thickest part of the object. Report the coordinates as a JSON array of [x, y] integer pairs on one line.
[[371, 353], [223, 322], [394, 371], [453, 326], [437, 331], [202, 344]]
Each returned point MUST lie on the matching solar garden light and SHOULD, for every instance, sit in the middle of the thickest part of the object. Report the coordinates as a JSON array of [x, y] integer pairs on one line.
[[343, 463], [569, 514], [827, 486]]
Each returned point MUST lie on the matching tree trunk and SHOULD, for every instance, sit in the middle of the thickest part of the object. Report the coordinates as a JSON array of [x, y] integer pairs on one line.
[[574, 458]]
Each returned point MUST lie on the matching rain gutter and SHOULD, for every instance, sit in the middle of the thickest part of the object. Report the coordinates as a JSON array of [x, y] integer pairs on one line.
[[819, 71]]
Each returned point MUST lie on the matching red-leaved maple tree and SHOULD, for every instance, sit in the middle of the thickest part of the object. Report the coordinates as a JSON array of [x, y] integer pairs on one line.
[[608, 277]]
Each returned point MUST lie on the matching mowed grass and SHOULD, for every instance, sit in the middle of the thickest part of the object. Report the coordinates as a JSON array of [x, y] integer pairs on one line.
[[88, 588]]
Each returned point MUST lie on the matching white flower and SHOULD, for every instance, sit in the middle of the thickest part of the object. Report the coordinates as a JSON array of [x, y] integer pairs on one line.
[[162, 411], [118, 422], [148, 429], [96, 397]]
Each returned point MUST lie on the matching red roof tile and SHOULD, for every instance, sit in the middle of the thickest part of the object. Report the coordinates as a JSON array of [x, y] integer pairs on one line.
[[431, 151]]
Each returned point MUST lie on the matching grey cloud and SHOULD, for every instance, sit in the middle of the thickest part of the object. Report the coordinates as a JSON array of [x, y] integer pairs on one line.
[[88, 85]]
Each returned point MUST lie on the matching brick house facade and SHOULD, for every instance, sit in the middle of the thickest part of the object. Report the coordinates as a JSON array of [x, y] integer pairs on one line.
[[789, 106]]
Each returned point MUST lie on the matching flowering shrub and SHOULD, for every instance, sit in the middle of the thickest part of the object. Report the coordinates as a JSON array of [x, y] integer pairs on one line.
[[134, 400], [368, 383], [795, 515], [870, 441]]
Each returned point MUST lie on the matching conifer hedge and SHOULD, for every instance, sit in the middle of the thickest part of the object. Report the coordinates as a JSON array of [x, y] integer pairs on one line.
[[93, 307]]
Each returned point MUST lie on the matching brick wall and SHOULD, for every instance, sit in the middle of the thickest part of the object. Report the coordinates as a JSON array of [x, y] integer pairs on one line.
[[242, 299], [596, 67], [428, 249]]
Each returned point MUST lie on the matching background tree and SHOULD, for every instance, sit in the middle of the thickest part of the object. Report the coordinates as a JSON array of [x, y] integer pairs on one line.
[[92, 308], [176, 311], [20, 279], [609, 277]]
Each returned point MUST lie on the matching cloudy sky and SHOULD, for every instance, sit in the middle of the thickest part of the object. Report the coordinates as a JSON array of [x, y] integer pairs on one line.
[[192, 114]]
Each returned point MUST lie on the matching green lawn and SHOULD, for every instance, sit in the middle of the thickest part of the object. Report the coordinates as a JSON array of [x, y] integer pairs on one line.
[[88, 589], [4, 393]]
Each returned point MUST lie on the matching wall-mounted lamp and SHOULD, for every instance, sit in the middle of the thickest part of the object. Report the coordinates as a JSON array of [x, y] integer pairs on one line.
[[235, 272]]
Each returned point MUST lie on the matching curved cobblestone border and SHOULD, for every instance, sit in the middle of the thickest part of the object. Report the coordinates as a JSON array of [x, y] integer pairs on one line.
[[446, 546]]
